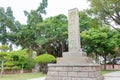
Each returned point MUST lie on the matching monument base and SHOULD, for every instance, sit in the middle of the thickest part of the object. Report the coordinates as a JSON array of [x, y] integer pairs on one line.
[[74, 58], [74, 72], [74, 67]]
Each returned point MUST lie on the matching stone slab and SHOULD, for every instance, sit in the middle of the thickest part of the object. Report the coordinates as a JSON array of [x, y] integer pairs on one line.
[[74, 60], [74, 72], [73, 65], [74, 53]]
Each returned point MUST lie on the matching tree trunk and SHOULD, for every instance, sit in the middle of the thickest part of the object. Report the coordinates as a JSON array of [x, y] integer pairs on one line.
[[37, 68], [105, 59], [113, 62], [96, 57], [63, 47], [2, 68], [60, 49], [44, 68]]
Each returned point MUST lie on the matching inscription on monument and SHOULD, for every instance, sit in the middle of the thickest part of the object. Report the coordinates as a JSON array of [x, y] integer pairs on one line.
[[73, 31]]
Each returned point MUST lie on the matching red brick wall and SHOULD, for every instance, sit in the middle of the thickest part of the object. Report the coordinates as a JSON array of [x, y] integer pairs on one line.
[[110, 67], [16, 71]]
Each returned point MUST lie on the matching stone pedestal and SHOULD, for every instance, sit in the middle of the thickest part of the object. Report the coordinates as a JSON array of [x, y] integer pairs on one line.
[[74, 58], [74, 72], [74, 67]]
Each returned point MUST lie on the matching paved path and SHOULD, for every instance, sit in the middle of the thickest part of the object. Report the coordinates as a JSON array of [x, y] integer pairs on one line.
[[42, 78], [110, 76]]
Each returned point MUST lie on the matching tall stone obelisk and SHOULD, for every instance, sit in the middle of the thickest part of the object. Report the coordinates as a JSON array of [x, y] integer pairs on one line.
[[74, 43], [73, 31], [75, 53], [74, 65]]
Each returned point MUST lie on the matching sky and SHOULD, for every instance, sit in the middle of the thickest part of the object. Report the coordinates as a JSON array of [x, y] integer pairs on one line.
[[55, 7]]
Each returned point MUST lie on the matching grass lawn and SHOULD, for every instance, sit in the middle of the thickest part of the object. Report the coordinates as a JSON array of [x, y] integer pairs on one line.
[[24, 76], [107, 71], [27, 76]]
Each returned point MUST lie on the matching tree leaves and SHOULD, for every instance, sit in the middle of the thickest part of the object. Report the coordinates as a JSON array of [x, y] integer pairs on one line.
[[107, 11], [102, 39]]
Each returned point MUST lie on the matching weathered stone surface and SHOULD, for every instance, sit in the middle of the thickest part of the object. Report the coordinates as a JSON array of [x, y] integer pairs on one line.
[[83, 74], [74, 72], [74, 60], [73, 30], [53, 73], [64, 74]]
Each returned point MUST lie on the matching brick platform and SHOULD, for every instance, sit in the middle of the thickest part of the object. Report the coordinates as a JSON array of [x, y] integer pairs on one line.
[[74, 72]]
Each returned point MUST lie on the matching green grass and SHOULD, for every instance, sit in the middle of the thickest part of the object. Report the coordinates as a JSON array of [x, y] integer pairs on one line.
[[27, 76], [24, 76], [107, 71]]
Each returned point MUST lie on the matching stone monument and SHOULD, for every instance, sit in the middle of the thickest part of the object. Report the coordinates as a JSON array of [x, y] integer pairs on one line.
[[74, 65]]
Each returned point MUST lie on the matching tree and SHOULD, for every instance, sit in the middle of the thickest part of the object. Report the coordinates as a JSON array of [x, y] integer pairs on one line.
[[6, 24], [15, 60], [21, 59], [102, 41], [53, 34], [106, 11], [3, 50], [26, 35], [87, 22]]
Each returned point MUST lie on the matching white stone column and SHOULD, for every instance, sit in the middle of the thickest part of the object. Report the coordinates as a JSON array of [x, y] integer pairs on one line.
[[73, 31]]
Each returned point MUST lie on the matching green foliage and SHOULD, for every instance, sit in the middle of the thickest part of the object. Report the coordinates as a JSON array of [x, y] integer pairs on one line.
[[26, 35], [4, 48], [43, 5], [16, 68], [16, 60], [7, 68], [51, 33], [52, 29], [21, 59], [3, 52], [102, 41], [106, 11], [9, 64], [86, 22], [45, 58], [8, 24], [2, 55]]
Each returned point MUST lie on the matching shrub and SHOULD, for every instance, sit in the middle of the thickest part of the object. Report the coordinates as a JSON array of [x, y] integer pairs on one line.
[[16, 68], [9, 64], [8, 68], [43, 60]]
